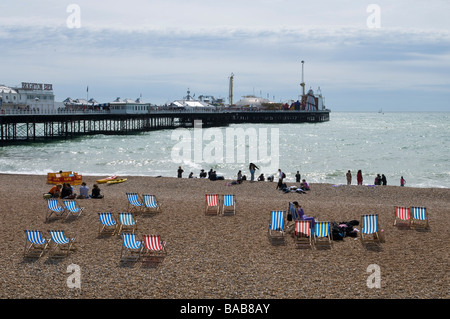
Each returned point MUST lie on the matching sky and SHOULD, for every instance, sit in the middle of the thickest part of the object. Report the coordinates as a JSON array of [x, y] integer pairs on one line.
[[364, 55]]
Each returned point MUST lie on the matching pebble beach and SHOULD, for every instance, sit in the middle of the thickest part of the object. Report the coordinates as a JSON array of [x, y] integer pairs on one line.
[[225, 257]]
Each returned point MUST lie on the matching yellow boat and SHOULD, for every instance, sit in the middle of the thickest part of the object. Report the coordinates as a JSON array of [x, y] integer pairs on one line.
[[107, 179], [115, 181]]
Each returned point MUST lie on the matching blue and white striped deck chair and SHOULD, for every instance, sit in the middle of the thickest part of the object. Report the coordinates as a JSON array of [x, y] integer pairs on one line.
[[60, 245], [322, 233], [127, 223], [151, 204], [277, 226], [369, 227], [419, 217], [54, 209], [134, 202], [228, 205], [107, 224], [35, 245], [131, 248], [72, 208]]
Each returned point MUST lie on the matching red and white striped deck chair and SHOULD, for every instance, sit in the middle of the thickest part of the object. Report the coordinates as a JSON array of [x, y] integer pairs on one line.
[[302, 235], [154, 246], [212, 204], [402, 214]]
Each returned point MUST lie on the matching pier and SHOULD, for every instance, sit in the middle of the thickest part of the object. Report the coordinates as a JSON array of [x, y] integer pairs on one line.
[[27, 127]]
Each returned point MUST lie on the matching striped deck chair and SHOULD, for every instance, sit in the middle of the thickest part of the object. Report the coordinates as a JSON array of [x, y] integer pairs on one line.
[[151, 204], [402, 214], [419, 217], [154, 246], [35, 245], [228, 205], [322, 234], [127, 223], [131, 248], [54, 209], [72, 208], [134, 202], [369, 227], [107, 224], [303, 234], [60, 245], [277, 226], [212, 204]]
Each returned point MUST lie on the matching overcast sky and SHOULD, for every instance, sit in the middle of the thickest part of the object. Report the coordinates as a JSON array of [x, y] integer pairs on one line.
[[364, 55]]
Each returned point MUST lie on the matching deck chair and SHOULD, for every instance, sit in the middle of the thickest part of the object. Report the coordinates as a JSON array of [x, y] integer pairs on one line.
[[54, 209], [107, 224], [134, 203], [35, 245], [322, 234], [154, 247], [212, 204], [369, 227], [419, 217], [228, 205], [277, 226], [127, 223], [151, 204], [131, 248], [60, 245], [402, 214], [72, 208], [303, 234]]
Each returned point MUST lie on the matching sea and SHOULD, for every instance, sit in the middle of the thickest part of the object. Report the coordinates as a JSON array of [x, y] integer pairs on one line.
[[413, 145]]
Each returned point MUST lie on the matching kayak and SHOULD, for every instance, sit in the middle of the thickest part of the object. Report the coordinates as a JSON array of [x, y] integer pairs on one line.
[[105, 180], [118, 180]]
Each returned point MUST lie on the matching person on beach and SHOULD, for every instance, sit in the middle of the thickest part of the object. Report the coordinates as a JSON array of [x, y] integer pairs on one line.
[[96, 192], [402, 181], [55, 191], [252, 168], [298, 177], [239, 177], [191, 175], [304, 185], [261, 178], [302, 215], [202, 174], [180, 172], [377, 180], [67, 192], [349, 177], [383, 180], [359, 177], [84, 191]]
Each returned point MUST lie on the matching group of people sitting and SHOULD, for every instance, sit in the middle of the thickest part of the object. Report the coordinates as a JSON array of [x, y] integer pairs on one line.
[[66, 191]]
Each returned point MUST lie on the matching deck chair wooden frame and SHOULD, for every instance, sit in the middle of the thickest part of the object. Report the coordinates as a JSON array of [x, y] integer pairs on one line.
[[402, 215], [212, 206], [154, 247], [228, 204], [322, 234], [277, 227], [107, 224], [131, 248], [419, 217], [303, 234], [72, 208], [135, 204], [60, 245], [127, 223], [35, 245], [151, 204], [54, 208], [370, 226]]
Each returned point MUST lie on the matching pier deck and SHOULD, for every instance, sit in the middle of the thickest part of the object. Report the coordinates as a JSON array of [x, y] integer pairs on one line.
[[29, 127]]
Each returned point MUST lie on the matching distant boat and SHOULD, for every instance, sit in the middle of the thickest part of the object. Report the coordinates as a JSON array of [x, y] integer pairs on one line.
[[381, 111]]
